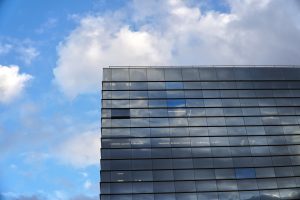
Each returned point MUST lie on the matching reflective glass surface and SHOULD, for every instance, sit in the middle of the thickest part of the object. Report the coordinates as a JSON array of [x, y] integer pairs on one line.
[[196, 133]]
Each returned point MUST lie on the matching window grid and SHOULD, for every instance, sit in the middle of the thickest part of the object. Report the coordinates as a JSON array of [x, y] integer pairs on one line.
[[200, 133]]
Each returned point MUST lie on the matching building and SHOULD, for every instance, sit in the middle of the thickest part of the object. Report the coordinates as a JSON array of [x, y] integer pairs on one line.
[[200, 133]]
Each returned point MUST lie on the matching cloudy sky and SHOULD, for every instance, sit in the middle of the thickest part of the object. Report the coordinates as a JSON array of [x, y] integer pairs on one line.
[[51, 55]]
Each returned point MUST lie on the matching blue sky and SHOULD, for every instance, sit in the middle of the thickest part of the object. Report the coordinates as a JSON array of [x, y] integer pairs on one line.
[[51, 55]]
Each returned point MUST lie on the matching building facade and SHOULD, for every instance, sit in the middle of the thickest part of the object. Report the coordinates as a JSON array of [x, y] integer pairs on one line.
[[200, 133]]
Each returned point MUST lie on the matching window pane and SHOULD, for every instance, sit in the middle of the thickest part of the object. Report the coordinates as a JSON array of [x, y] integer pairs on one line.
[[245, 173]]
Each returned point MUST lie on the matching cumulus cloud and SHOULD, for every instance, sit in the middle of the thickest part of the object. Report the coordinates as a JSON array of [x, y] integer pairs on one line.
[[12, 83], [80, 150], [180, 33]]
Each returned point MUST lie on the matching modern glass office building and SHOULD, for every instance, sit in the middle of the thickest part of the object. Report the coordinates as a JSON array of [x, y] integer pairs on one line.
[[200, 133]]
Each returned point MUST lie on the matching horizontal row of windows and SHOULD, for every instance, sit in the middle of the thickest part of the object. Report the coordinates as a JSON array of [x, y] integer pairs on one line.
[[201, 131], [202, 85], [200, 73], [241, 195], [215, 85], [202, 152], [199, 174], [199, 141], [195, 103], [192, 163], [200, 112], [202, 121], [199, 94], [199, 186]]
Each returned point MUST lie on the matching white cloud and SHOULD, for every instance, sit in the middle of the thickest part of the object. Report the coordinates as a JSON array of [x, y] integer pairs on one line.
[[87, 184], [5, 48], [27, 54], [12, 83], [80, 150], [178, 32], [95, 44], [22, 50]]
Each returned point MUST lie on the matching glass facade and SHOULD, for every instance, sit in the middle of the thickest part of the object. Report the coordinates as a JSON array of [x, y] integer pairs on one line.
[[201, 133]]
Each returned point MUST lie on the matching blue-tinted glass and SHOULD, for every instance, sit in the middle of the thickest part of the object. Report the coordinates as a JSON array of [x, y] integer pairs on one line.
[[176, 103], [174, 85], [245, 173]]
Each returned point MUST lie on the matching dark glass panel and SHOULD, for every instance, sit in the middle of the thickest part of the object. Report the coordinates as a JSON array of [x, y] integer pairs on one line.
[[247, 184], [161, 153], [224, 173], [164, 196], [267, 183], [245, 173], [163, 175], [228, 196], [119, 188], [206, 185], [225, 185], [121, 176], [160, 132], [163, 187], [182, 163], [204, 174], [181, 152], [186, 196], [142, 187], [142, 196], [207, 195], [184, 174], [142, 176], [249, 195], [185, 186]]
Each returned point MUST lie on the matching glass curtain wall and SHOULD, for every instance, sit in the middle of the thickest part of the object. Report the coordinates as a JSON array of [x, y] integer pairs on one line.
[[217, 133]]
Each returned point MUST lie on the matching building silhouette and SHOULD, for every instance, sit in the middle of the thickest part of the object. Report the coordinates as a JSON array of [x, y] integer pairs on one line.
[[200, 133]]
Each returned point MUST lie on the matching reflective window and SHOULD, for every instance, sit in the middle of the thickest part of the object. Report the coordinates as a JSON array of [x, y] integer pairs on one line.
[[174, 85], [120, 113], [224, 185], [157, 94], [206, 185], [245, 173], [267, 183], [202, 174], [155, 74], [224, 173], [138, 74], [119, 74], [228, 195], [163, 175], [184, 174], [176, 103], [190, 74], [185, 186], [186, 196], [156, 85], [249, 184], [163, 187], [142, 187], [173, 74]]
